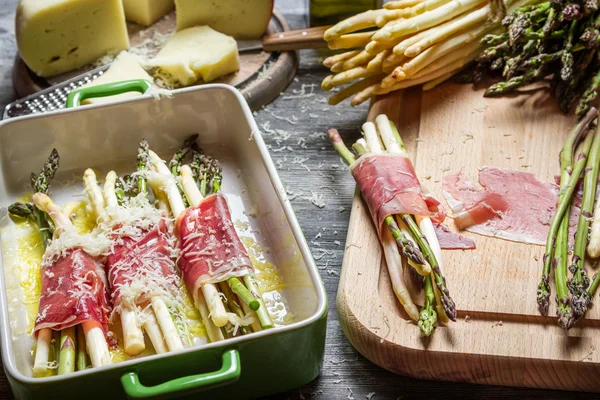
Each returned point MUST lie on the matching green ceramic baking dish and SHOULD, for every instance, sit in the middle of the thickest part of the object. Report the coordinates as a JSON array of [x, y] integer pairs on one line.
[[103, 136]]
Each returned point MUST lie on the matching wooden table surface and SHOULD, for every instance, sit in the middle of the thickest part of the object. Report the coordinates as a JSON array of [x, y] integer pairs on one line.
[[294, 127]]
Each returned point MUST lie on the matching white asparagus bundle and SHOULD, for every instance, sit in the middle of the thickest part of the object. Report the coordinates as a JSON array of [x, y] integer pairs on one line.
[[418, 42]]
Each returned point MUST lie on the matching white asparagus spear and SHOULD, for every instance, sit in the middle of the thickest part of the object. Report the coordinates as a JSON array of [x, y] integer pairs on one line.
[[95, 340], [218, 314], [153, 331], [426, 20], [165, 320], [94, 194], [96, 344], [370, 134], [394, 264], [42, 351], [593, 248], [355, 23]]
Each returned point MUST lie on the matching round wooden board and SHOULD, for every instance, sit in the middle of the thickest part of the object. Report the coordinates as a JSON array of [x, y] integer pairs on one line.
[[262, 76]]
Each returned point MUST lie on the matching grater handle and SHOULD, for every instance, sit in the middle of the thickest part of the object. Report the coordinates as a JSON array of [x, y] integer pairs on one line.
[[108, 89], [230, 372]]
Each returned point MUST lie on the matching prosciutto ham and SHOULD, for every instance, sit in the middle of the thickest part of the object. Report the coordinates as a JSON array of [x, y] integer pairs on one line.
[[211, 250], [140, 266], [451, 241], [74, 290], [389, 185], [512, 205]]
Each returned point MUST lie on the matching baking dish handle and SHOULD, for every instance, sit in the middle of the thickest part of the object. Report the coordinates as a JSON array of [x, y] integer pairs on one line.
[[229, 373], [75, 98]]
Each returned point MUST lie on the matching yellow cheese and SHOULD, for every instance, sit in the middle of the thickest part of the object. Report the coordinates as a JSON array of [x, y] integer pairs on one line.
[[146, 12], [242, 19], [195, 53], [125, 67], [56, 36]]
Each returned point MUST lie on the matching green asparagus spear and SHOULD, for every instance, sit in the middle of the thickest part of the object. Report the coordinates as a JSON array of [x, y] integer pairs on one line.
[[82, 357], [439, 279], [427, 315], [143, 164], [579, 283], [66, 363], [188, 145], [543, 292]]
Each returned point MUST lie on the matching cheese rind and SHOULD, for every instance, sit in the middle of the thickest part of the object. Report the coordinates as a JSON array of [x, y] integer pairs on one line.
[[146, 12], [242, 19], [125, 67], [56, 36], [195, 53]]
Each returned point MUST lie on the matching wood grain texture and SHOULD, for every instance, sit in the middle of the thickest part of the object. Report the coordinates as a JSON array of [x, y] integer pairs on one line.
[[500, 338], [261, 77], [309, 38], [345, 373]]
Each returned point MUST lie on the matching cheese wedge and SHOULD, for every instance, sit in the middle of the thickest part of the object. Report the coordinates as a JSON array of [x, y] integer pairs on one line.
[[146, 12], [125, 67], [56, 36], [193, 54], [242, 19]]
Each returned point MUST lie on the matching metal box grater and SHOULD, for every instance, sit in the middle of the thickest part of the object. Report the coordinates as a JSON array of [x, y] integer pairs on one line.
[[52, 98]]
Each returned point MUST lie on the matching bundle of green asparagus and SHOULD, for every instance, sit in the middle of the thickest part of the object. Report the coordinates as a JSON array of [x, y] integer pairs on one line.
[[553, 39], [574, 296], [416, 42], [403, 220]]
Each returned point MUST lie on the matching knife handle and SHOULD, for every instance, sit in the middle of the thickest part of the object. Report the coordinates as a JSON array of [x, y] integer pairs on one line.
[[309, 38]]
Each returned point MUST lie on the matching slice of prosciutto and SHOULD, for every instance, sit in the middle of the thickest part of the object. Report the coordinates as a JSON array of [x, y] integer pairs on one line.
[[210, 248], [74, 290], [512, 205], [140, 266], [451, 241], [389, 185]]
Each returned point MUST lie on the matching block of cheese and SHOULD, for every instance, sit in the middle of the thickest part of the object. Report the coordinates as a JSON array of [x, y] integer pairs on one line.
[[56, 36], [242, 19], [193, 54], [126, 66], [146, 12]]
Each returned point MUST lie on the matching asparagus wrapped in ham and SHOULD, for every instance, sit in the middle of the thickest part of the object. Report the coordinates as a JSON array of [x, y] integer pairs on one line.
[[74, 289], [73, 299], [140, 264], [211, 252], [403, 215]]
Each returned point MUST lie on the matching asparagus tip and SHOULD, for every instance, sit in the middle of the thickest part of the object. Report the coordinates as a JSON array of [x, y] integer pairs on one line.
[[427, 321], [543, 295], [566, 314], [334, 135]]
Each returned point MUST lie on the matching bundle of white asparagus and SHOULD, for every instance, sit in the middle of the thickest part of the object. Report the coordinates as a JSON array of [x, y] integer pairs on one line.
[[417, 42]]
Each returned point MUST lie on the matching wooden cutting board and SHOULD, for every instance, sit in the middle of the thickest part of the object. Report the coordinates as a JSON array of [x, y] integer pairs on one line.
[[499, 337], [262, 75]]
